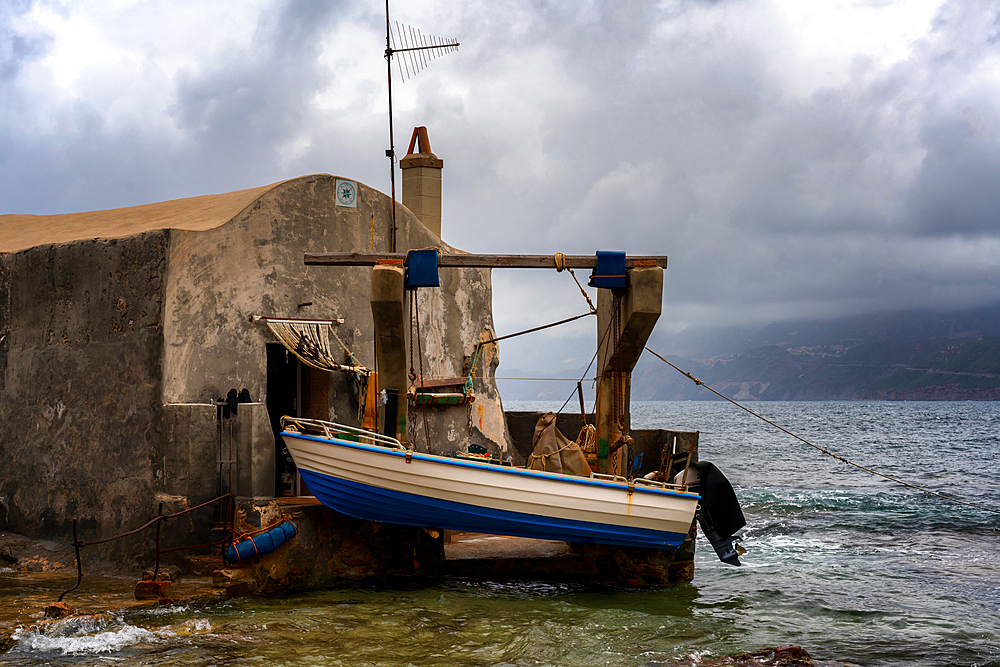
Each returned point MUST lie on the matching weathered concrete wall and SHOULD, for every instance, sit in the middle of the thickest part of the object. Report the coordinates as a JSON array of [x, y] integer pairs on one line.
[[218, 279], [195, 441], [79, 393], [453, 320]]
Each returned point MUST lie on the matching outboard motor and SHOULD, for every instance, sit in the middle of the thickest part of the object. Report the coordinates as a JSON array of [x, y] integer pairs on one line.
[[719, 513]]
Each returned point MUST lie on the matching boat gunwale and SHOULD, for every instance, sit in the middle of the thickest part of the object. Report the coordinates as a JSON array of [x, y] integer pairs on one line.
[[493, 468]]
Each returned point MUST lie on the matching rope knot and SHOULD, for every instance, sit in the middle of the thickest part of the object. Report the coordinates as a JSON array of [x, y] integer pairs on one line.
[[560, 258]]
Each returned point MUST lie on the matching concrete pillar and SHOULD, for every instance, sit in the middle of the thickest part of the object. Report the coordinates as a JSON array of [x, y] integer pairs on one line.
[[254, 453], [388, 313], [639, 309], [422, 181]]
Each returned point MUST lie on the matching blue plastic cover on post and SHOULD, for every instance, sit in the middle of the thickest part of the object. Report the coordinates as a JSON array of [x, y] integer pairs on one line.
[[610, 270], [422, 268]]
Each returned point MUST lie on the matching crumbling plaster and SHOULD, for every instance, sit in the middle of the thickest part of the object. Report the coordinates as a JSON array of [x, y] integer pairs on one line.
[[253, 265]]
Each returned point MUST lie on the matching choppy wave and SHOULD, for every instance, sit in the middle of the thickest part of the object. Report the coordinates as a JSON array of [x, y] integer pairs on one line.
[[98, 634], [81, 636]]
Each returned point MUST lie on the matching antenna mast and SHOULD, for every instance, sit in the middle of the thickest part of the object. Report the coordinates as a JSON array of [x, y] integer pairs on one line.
[[420, 50]]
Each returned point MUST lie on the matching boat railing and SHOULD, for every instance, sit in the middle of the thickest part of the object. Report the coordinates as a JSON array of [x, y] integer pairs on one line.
[[337, 431], [640, 481]]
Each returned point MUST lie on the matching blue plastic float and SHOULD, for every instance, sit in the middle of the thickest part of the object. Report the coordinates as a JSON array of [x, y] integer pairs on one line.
[[265, 543]]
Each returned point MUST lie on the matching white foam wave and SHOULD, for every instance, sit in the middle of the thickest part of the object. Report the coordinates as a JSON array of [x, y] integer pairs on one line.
[[87, 635], [194, 626], [168, 610], [108, 641]]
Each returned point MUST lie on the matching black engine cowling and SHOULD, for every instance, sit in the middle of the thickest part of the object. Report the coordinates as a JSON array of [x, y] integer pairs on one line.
[[719, 513]]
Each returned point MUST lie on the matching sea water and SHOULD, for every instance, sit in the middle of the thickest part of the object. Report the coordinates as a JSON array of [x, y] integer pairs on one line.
[[851, 566]]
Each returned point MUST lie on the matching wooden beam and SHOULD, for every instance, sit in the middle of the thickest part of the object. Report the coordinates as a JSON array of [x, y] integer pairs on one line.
[[443, 382], [477, 261]]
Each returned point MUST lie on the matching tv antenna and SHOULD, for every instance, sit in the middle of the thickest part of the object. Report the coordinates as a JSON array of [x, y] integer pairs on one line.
[[415, 51]]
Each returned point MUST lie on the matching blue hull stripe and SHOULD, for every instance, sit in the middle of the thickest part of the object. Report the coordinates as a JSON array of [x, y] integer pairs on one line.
[[378, 504]]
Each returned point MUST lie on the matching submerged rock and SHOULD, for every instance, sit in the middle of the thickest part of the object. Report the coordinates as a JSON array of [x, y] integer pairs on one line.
[[58, 610], [779, 656]]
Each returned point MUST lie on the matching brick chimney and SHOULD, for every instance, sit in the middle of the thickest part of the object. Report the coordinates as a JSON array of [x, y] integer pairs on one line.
[[422, 181]]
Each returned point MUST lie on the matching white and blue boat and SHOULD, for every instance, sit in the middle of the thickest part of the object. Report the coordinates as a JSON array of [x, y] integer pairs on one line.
[[373, 477]]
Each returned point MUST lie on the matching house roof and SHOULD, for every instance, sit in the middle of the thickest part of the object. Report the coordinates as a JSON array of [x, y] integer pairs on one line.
[[20, 232]]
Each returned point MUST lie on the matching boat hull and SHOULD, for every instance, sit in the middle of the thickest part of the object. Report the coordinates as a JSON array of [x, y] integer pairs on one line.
[[387, 485]]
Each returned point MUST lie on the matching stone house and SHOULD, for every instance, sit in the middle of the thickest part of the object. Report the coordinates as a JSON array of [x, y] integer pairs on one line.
[[121, 330]]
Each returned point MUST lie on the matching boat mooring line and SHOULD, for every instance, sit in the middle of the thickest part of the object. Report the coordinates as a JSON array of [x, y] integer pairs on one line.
[[532, 330], [607, 331], [821, 449], [544, 379]]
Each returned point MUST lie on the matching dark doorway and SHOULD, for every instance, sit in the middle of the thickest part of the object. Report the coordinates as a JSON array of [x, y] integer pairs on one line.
[[282, 399], [315, 388]]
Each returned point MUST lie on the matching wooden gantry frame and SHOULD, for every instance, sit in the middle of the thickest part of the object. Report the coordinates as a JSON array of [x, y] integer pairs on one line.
[[625, 320]]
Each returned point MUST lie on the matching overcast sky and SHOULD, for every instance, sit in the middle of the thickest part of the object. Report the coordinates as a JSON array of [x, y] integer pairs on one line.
[[794, 159]]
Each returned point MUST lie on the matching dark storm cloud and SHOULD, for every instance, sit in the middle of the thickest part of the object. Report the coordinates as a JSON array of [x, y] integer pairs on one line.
[[241, 109], [224, 128], [682, 135], [16, 48], [958, 189]]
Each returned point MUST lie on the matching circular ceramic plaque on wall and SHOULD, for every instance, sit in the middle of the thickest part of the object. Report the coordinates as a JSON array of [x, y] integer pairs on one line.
[[347, 193]]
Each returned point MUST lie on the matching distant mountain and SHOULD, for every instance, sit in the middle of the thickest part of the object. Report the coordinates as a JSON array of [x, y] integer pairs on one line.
[[722, 342], [912, 355]]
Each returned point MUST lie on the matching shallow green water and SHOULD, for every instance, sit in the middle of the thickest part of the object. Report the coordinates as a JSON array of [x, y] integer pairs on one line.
[[455, 623]]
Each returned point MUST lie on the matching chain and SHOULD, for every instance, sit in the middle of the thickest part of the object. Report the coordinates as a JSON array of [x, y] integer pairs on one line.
[[617, 389], [420, 363], [410, 428]]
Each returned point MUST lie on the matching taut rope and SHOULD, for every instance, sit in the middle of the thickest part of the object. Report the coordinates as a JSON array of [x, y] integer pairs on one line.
[[821, 449]]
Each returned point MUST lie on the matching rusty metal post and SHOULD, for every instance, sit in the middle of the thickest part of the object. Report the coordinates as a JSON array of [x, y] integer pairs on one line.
[[232, 487], [159, 513], [79, 566], [232, 528], [219, 411]]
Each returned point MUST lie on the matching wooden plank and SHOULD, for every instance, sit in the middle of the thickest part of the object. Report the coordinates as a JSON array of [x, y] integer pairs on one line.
[[478, 261], [443, 382]]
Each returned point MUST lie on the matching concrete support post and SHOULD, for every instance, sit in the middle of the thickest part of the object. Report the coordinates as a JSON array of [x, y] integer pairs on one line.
[[422, 181], [639, 309], [254, 452], [388, 312]]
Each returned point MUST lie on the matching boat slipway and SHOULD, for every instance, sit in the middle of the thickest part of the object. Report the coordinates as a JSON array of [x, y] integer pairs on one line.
[[373, 477]]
